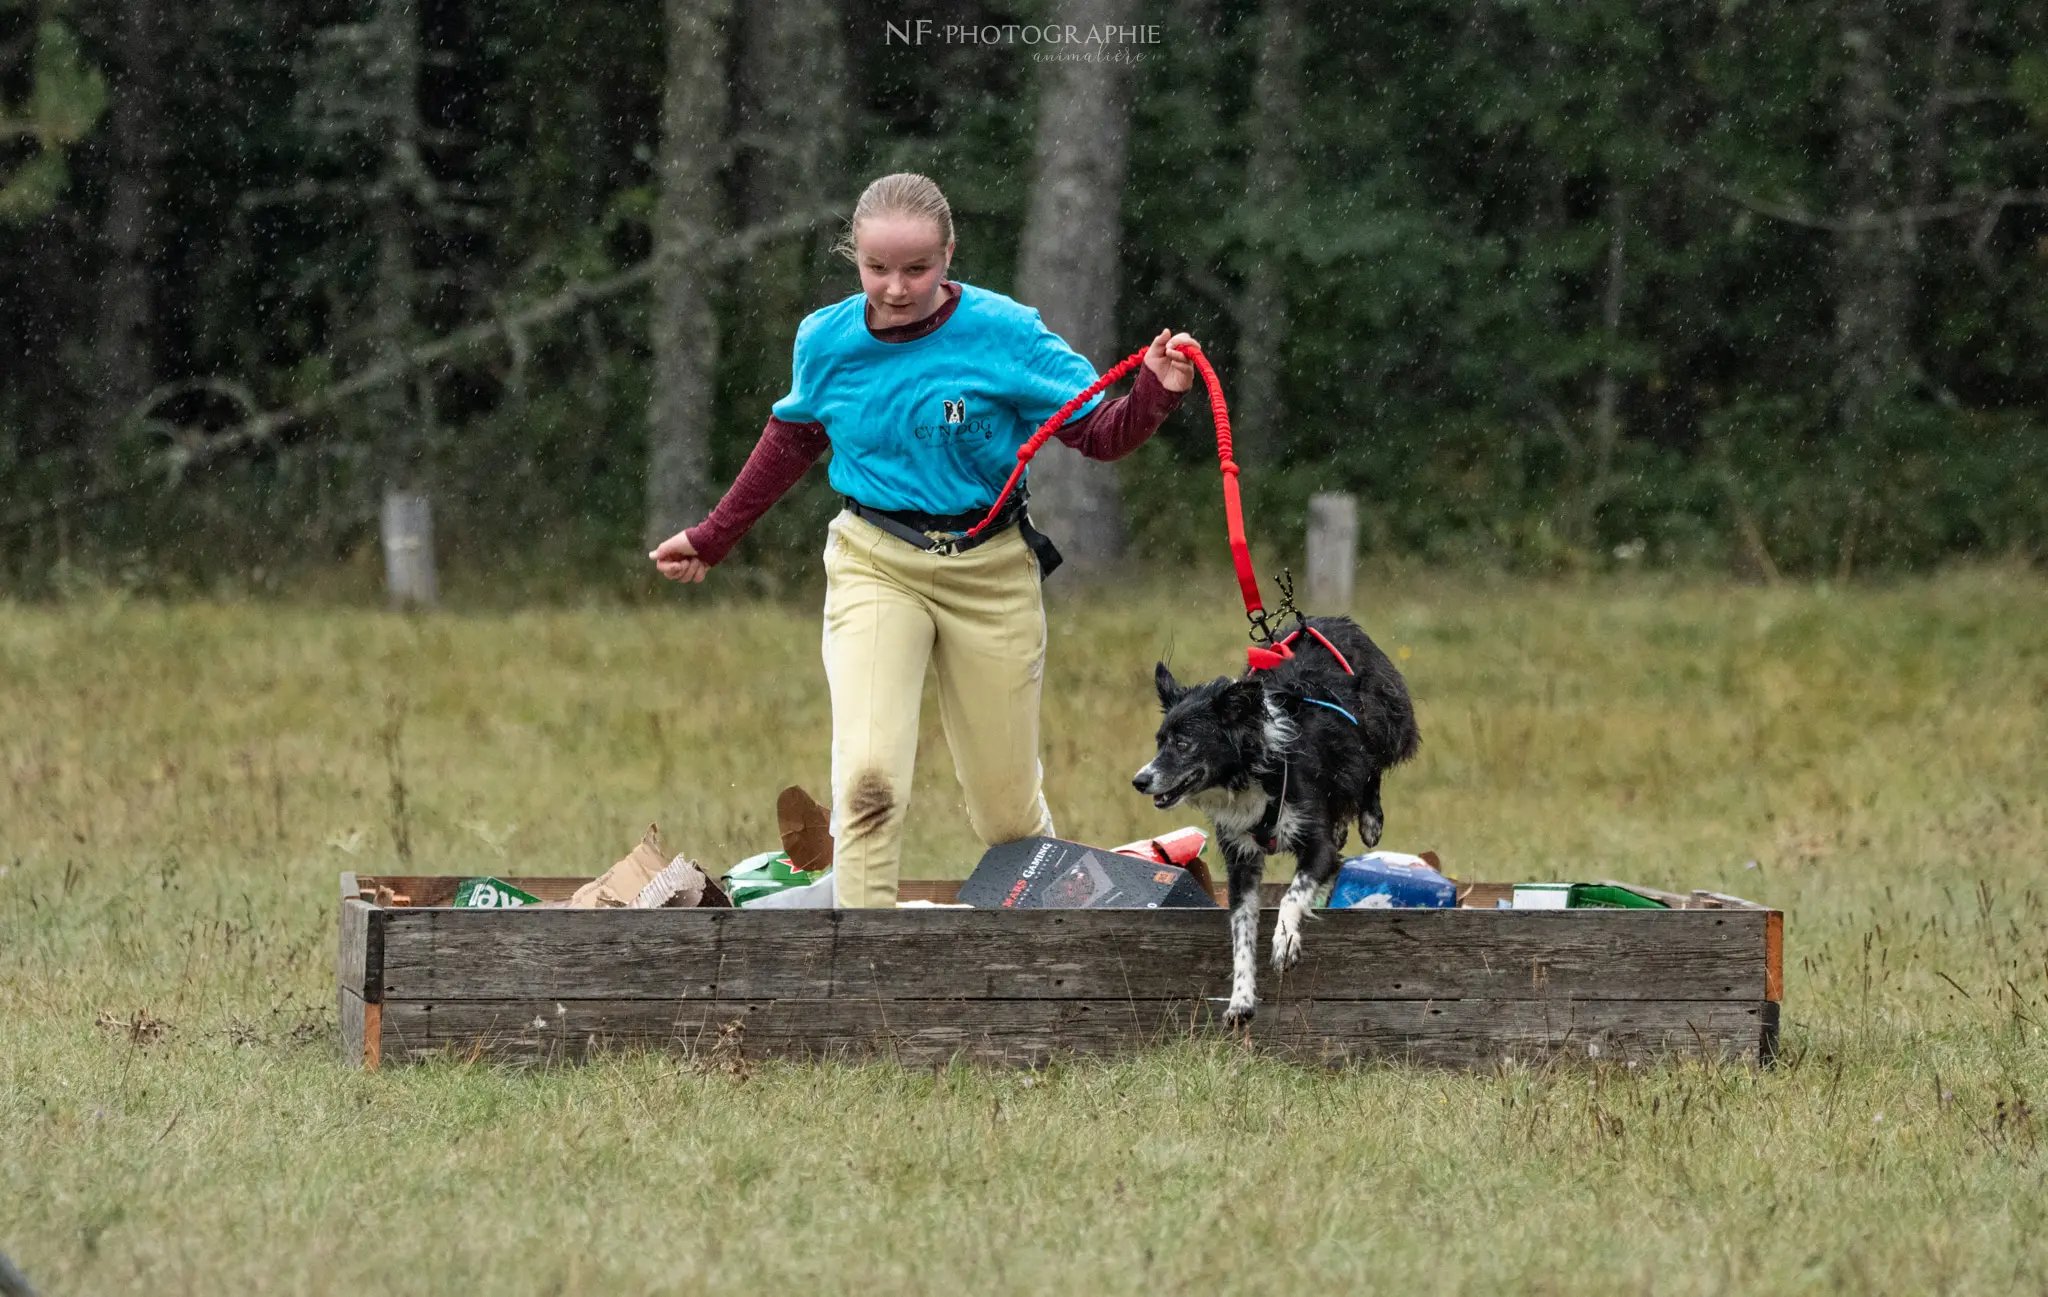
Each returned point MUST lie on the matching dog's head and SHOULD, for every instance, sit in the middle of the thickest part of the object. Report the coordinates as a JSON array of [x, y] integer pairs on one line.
[[1209, 737]]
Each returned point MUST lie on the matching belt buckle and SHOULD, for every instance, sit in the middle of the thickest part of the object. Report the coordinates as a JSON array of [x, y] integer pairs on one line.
[[947, 548]]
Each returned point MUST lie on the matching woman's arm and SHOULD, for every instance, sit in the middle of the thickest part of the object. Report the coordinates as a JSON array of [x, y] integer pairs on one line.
[[1115, 428], [784, 454]]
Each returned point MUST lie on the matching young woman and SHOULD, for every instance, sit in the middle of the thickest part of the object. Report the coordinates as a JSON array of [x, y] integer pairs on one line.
[[924, 389]]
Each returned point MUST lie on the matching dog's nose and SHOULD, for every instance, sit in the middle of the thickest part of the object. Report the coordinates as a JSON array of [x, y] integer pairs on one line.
[[1142, 781]]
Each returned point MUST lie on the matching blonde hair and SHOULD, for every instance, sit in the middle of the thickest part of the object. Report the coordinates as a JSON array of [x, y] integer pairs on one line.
[[903, 194]]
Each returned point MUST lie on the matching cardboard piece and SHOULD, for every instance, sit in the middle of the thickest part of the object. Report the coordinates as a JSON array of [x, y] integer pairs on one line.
[[1048, 873], [806, 830], [618, 887], [679, 886]]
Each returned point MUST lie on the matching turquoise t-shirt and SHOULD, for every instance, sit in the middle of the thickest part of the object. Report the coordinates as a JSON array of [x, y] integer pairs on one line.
[[933, 424]]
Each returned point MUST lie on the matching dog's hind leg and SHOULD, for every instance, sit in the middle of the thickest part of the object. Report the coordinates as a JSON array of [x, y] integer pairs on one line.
[[1247, 865], [1372, 820], [1316, 864]]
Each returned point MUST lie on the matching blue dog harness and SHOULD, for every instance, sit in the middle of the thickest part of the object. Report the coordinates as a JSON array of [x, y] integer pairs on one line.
[[1332, 706]]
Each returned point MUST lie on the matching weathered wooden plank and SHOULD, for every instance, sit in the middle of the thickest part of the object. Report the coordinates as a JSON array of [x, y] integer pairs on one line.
[[359, 957], [1774, 956], [1704, 897], [1029, 1032], [373, 1037], [1484, 896], [348, 1007], [362, 1030], [1071, 954]]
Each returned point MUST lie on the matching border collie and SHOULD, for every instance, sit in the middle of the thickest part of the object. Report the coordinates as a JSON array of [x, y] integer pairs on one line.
[[1284, 759]]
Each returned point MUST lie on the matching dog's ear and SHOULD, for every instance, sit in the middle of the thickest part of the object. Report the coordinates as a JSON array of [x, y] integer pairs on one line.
[[1170, 690], [1242, 703]]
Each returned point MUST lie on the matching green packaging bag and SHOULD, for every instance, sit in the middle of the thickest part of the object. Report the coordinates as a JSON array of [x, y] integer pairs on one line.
[[490, 894], [1602, 896], [764, 875]]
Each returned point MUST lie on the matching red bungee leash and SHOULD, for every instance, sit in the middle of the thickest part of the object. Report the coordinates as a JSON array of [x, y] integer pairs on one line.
[[1267, 653]]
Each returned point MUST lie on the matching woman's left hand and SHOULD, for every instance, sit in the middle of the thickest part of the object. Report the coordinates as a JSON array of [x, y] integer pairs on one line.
[[1175, 372]]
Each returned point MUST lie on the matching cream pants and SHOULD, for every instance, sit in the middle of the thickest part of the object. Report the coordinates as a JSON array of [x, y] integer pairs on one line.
[[890, 609]]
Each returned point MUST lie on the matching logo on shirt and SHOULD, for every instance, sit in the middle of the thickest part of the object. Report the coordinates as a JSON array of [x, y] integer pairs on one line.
[[955, 425]]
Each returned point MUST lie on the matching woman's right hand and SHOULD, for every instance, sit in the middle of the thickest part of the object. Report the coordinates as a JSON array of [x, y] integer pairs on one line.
[[677, 559]]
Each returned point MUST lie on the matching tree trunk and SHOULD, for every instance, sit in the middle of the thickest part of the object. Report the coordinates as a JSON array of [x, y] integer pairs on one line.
[[394, 91], [124, 356], [1262, 317], [1607, 393], [1872, 295], [791, 135], [683, 334], [1069, 268], [790, 150]]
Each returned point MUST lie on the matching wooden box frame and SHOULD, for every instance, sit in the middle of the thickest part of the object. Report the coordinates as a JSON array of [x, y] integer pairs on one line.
[[1470, 986]]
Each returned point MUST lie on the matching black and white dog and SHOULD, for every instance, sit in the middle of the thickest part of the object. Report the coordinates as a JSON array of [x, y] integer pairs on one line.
[[1284, 759]]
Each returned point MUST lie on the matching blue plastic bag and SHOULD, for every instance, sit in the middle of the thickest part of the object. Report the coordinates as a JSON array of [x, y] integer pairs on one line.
[[1391, 880]]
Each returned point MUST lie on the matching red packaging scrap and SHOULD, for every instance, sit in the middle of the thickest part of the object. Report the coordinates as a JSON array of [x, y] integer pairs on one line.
[[1175, 848]]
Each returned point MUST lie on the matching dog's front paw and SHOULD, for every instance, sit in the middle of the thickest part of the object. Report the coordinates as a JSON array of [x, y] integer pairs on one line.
[[1369, 827], [1286, 946], [1240, 1013]]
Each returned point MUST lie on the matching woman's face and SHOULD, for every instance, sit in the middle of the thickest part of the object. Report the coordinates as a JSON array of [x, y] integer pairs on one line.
[[902, 262]]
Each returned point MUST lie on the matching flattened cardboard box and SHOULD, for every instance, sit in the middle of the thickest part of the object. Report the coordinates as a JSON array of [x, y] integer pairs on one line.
[[1048, 873]]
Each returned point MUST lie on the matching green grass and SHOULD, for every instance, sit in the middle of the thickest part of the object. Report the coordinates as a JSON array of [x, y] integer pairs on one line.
[[179, 786]]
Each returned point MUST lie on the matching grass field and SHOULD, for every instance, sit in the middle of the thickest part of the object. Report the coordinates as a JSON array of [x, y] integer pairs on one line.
[[181, 785]]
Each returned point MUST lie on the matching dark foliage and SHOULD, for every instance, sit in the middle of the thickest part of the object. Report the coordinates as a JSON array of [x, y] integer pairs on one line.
[[1560, 285]]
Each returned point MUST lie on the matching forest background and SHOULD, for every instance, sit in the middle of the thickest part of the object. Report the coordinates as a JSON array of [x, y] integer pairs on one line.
[[1550, 286]]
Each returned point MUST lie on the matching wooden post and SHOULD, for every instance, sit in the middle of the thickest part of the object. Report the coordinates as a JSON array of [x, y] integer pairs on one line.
[[409, 549], [1332, 552]]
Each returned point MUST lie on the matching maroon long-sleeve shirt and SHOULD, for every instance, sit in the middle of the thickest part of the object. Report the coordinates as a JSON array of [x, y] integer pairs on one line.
[[787, 450]]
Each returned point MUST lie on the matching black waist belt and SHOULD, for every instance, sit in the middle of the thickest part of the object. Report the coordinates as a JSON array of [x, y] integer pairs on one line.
[[946, 533]]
